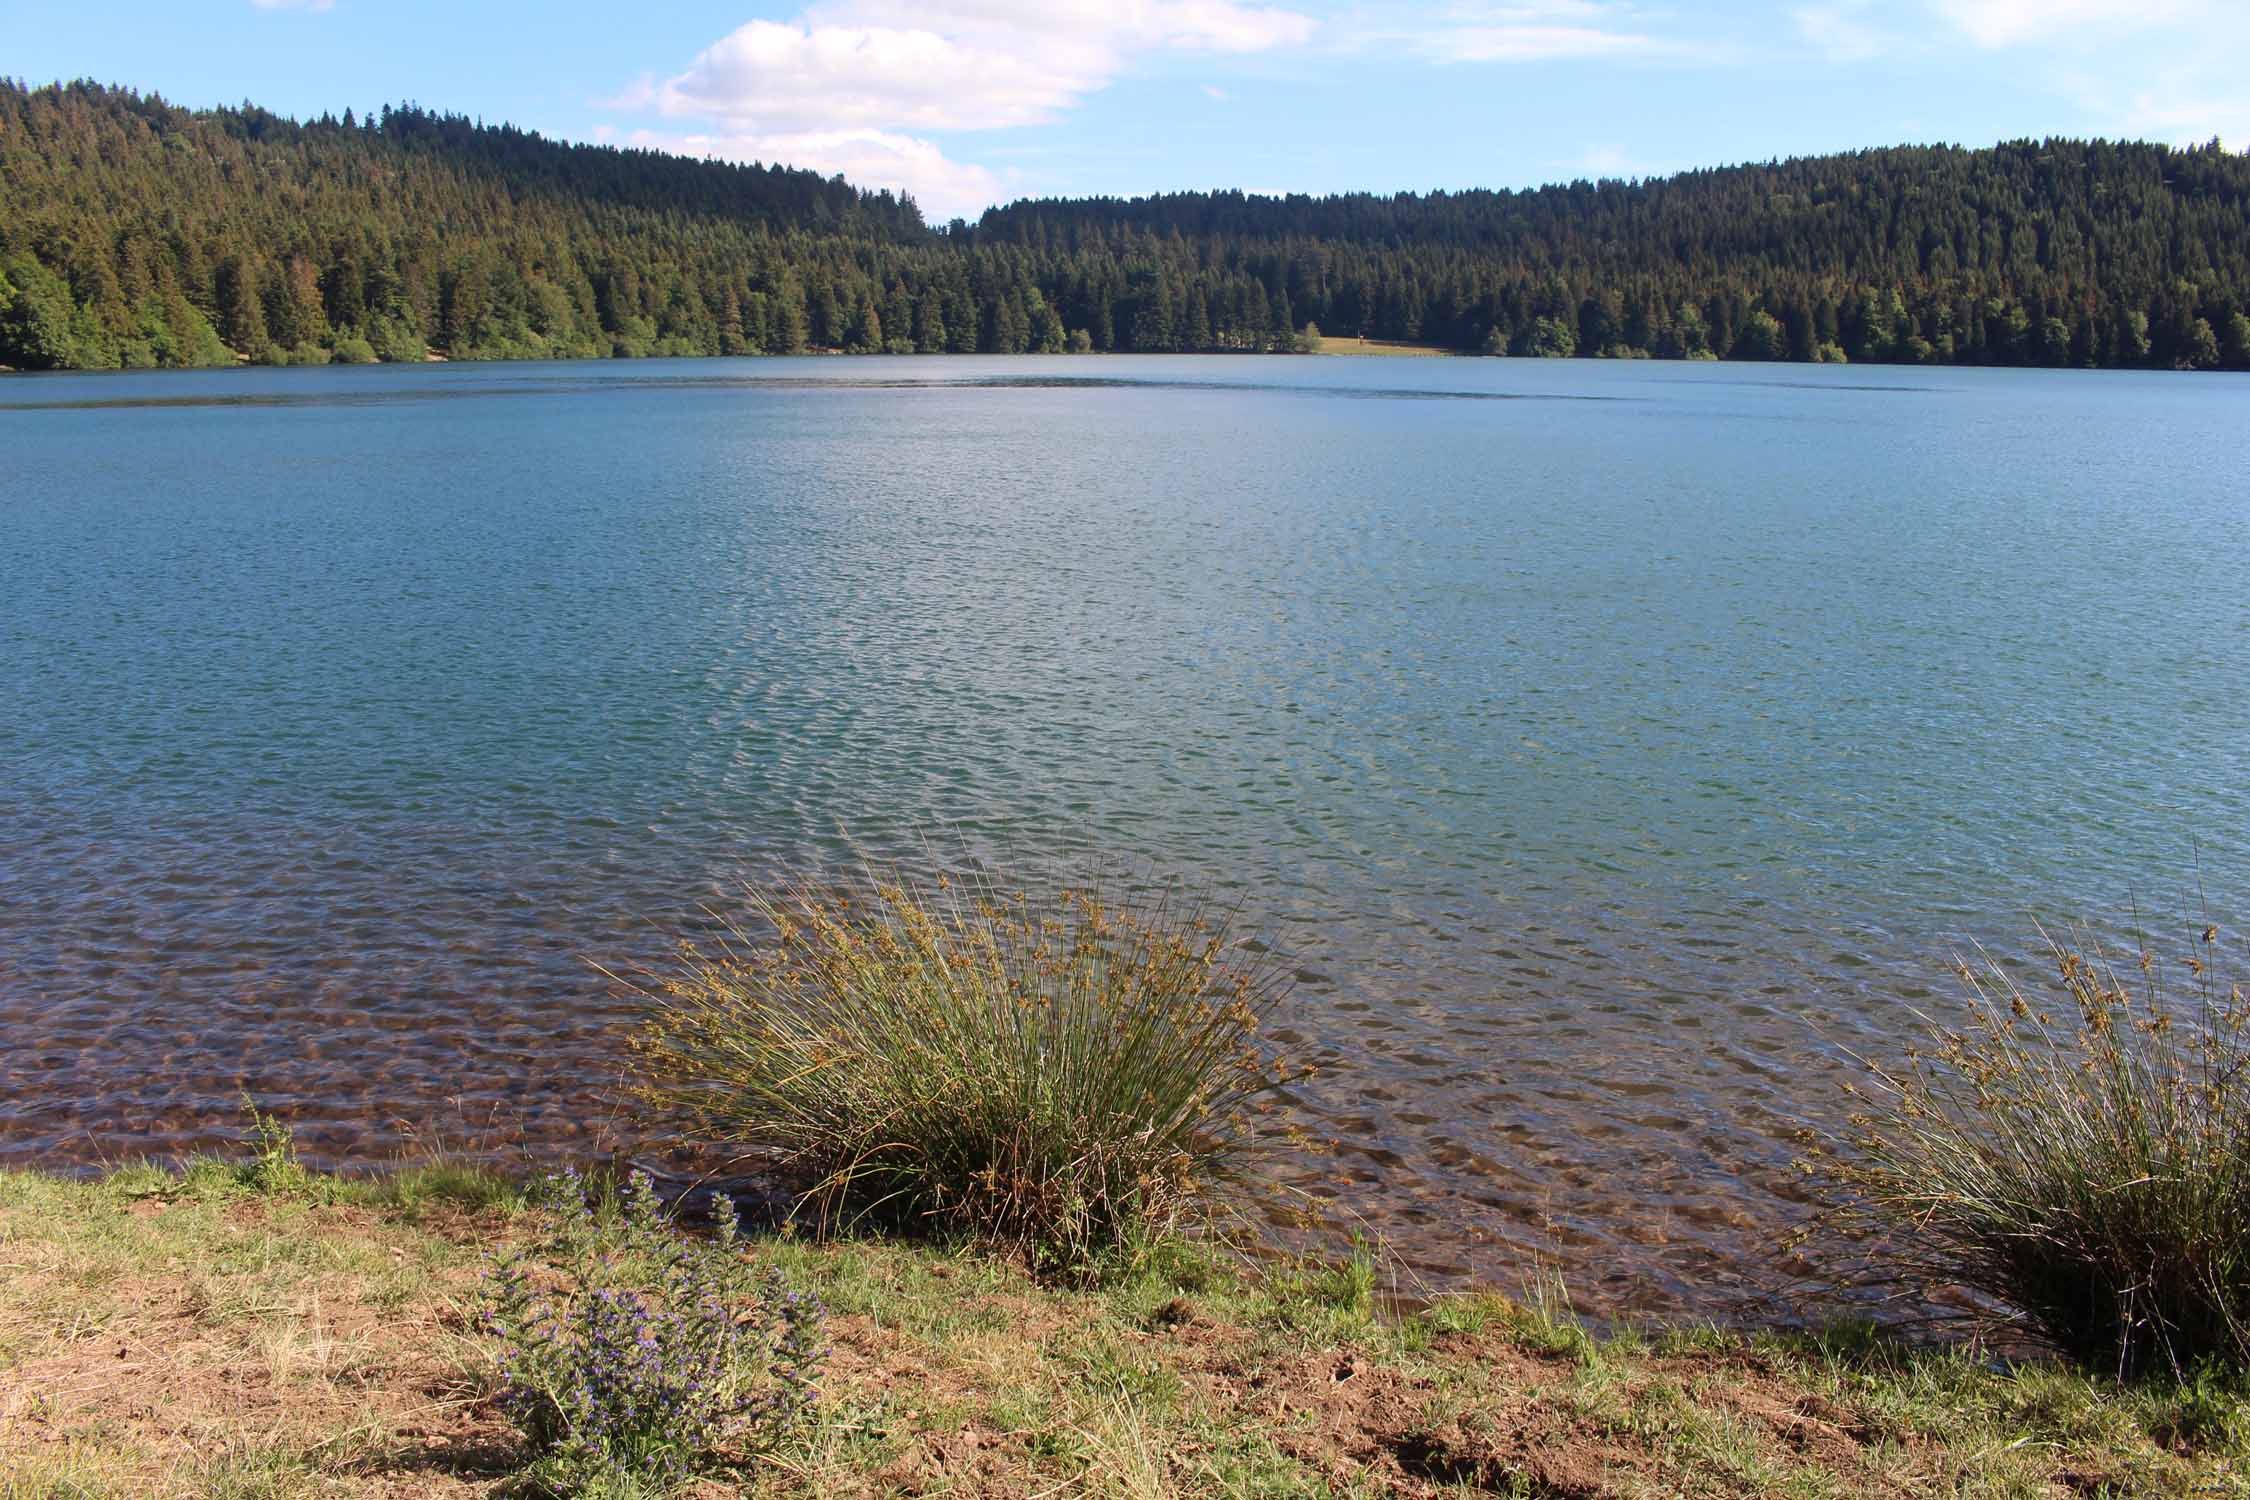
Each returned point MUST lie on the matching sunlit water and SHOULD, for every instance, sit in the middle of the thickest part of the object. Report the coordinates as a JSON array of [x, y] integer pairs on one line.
[[1611, 746]]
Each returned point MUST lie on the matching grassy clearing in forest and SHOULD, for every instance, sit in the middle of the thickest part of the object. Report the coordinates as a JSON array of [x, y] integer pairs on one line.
[[1346, 344], [205, 1335]]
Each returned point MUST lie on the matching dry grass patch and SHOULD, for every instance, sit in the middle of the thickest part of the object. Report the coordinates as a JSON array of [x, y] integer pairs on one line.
[[183, 1342]]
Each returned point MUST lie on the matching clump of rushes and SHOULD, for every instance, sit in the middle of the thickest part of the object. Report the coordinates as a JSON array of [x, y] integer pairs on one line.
[[2085, 1166], [632, 1357], [1051, 1076]]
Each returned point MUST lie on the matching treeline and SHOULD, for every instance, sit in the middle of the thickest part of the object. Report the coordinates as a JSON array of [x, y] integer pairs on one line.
[[136, 233], [2036, 252]]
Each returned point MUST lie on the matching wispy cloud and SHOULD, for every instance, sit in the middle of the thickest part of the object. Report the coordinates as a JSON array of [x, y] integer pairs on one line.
[[2010, 23], [1854, 31], [2165, 70], [1511, 42], [1840, 31], [2188, 118], [1531, 31], [1607, 161], [293, 4]]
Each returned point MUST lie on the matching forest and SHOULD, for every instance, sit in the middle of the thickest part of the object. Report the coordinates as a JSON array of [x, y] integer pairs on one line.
[[135, 233]]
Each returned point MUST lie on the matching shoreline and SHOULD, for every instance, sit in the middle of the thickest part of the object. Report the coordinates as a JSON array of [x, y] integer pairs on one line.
[[1330, 346]]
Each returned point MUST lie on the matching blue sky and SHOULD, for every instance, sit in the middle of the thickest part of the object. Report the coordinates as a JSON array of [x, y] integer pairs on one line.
[[966, 102]]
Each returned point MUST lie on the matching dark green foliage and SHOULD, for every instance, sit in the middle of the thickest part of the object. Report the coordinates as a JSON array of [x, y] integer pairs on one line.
[[2033, 252], [35, 316], [136, 233], [133, 232]]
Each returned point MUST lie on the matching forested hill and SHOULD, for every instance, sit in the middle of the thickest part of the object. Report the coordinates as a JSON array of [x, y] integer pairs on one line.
[[133, 233]]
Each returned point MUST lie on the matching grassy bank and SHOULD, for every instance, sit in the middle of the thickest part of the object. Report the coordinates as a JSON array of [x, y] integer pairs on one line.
[[247, 1333]]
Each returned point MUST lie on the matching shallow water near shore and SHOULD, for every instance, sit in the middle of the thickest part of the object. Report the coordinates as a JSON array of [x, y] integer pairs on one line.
[[1608, 759]]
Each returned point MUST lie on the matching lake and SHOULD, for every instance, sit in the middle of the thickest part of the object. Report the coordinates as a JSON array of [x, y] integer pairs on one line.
[[1611, 747]]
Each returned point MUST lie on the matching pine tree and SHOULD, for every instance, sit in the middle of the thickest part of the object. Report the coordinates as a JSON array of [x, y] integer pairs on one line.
[[242, 316]]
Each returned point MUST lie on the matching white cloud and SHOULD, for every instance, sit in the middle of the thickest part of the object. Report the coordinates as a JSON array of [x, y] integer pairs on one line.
[[866, 158], [856, 86], [293, 4], [965, 65], [774, 75]]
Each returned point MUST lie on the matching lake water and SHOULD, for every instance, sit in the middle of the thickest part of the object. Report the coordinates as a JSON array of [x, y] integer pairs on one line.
[[1609, 745]]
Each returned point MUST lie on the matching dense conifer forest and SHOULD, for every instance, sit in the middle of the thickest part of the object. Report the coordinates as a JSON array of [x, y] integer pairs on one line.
[[136, 233]]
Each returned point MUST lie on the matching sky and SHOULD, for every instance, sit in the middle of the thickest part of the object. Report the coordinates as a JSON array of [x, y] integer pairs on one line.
[[966, 103]]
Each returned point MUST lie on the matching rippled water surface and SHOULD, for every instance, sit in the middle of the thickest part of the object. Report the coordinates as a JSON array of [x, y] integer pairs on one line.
[[1609, 745]]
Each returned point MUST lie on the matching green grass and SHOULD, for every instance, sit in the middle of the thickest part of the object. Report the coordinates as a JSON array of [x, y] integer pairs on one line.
[[1051, 1076], [423, 1187]]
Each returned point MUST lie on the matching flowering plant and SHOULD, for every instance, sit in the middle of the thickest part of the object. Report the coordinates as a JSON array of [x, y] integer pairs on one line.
[[629, 1350]]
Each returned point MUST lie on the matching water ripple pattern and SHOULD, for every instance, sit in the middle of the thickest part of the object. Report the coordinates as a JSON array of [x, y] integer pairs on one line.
[[1611, 747]]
